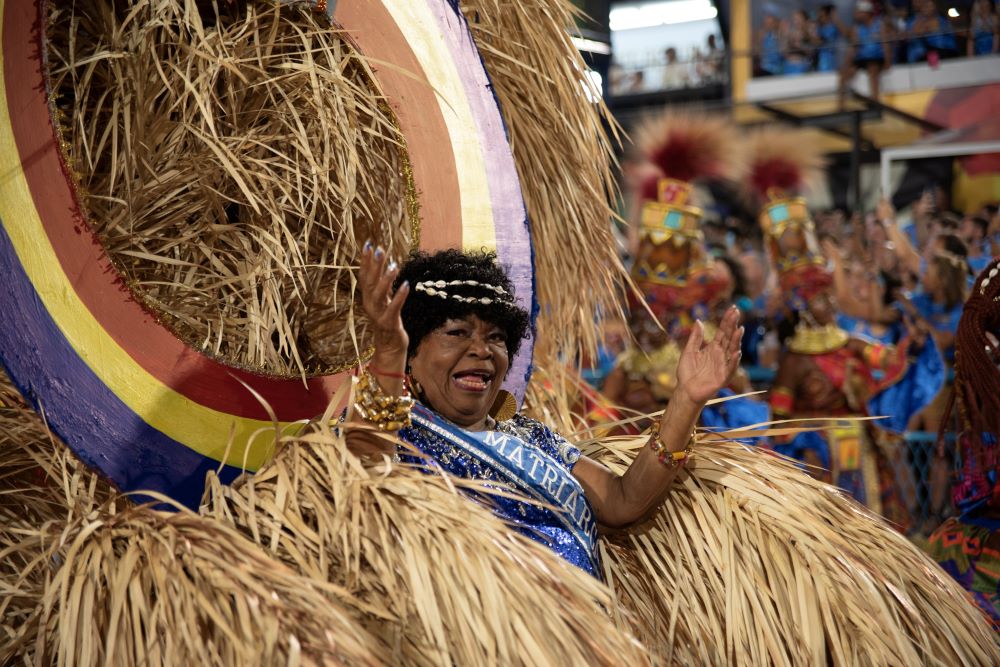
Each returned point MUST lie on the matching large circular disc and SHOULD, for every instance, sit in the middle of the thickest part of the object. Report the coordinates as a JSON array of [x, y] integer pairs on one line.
[[129, 397]]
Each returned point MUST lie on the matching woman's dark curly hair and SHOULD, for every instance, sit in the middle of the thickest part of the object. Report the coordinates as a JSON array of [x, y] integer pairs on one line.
[[423, 313]]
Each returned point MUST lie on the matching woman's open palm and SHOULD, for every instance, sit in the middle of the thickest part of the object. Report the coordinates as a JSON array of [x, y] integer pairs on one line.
[[382, 307], [705, 367]]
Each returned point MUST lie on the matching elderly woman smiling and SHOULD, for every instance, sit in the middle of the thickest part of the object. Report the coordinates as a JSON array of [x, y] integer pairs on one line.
[[446, 327]]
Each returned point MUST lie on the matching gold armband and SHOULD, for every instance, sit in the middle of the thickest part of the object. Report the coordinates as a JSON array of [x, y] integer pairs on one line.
[[388, 413]]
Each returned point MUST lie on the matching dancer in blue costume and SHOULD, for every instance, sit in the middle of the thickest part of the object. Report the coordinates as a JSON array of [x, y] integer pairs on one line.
[[446, 326], [968, 546]]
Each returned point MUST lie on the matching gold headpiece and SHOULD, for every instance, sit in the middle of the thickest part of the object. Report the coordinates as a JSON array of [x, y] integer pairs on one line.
[[670, 217], [782, 162], [781, 213]]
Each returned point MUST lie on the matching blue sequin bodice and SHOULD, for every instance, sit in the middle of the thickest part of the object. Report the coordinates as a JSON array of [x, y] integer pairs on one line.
[[526, 456]]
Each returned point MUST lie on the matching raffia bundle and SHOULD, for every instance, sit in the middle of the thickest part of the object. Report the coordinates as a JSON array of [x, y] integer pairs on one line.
[[442, 579], [234, 162], [87, 578], [314, 558], [559, 132], [751, 561], [233, 158], [145, 587]]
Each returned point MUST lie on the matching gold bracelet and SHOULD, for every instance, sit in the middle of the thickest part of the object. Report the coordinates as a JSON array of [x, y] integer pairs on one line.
[[667, 458], [388, 413]]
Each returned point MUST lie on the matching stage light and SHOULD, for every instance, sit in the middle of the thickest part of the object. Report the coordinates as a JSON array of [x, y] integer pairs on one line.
[[649, 15], [952, 12]]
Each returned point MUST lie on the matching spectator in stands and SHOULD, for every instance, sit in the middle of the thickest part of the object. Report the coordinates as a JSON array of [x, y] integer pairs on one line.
[[754, 270], [616, 78], [758, 349], [943, 271], [710, 65], [992, 214], [984, 29], [828, 34], [869, 37], [918, 227], [769, 46], [973, 231], [930, 36], [863, 297], [633, 82], [799, 44], [675, 74], [897, 14]]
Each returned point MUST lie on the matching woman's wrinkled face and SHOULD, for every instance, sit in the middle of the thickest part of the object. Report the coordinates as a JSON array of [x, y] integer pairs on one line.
[[460, 367]]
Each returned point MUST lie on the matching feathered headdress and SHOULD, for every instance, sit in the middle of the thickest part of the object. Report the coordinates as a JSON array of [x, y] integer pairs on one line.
[[672, 267], [684, 148], [783, 163]]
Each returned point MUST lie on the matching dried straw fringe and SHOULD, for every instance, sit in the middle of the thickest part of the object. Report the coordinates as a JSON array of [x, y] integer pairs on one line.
[[330, 562], [564, 156], [88, 579], [750, 562], [443, 580], [233, 165]]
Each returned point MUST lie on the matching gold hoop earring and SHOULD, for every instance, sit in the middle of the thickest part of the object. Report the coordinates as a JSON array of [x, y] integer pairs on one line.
[[504, 407], [415, 388]]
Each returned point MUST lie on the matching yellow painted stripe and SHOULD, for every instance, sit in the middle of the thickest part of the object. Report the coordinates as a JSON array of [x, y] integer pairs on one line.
[[202, 429], [418, 25]]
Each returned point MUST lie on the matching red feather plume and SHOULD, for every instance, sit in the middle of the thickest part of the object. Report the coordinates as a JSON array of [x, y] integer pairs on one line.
[[690, 147], [783, 159]]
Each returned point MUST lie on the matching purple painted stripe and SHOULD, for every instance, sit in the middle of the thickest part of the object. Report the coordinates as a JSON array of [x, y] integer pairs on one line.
[[510, 220], [104, 432]]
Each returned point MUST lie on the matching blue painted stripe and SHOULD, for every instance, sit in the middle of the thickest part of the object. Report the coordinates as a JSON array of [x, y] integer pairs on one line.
[[103, 432]]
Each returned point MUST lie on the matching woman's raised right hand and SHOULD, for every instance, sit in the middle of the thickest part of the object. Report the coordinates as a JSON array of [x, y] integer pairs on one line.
[[384, 308]]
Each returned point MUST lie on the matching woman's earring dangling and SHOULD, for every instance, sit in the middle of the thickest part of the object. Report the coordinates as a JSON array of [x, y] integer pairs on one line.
[[415, 387]]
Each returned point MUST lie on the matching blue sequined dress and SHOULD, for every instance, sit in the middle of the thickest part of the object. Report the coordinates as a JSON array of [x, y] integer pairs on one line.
[[524, 454]]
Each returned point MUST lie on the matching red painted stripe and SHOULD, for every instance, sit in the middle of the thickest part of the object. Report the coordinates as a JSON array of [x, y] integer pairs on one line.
[[152, 346], [85, 263], [413, 100]]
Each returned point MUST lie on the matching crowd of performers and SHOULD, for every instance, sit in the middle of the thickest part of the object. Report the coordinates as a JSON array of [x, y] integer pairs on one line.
[[853, 318]]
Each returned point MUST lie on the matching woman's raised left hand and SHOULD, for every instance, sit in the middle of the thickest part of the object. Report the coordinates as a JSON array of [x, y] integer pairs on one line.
[[704, 368]]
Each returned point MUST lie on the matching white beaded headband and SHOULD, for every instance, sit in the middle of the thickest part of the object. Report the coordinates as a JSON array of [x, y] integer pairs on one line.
[[436, 288], [986, 282], [951, 258]]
